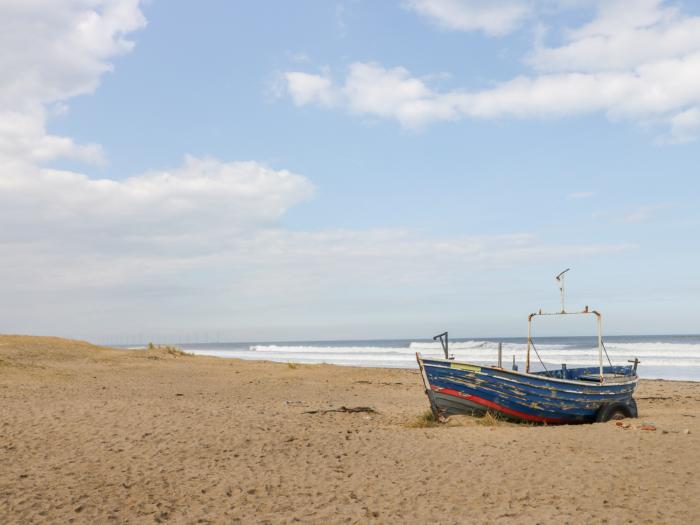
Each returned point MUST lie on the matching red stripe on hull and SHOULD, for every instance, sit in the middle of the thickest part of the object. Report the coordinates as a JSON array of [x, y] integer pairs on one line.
[[490, 404]]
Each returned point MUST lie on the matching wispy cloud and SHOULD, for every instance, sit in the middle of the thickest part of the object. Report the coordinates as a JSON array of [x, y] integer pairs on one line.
[[685, 126], [580, 195], [298, 57], [634, 214], [493, 18], [644, 213]]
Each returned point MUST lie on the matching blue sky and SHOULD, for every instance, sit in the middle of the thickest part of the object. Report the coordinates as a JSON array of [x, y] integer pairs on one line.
[[349, 169]]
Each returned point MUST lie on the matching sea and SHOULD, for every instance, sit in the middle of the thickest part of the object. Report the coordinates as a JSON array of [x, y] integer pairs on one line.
[[675, 357]]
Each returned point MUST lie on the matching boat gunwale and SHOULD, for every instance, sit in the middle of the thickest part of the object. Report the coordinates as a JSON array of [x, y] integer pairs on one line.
[[633, 379], [550, 393]]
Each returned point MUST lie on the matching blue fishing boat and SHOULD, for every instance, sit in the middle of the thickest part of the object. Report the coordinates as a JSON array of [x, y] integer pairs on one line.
[[553, 396]]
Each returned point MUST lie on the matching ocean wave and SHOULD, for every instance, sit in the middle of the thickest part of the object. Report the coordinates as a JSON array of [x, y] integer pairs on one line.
[[404, 360], [484, 353], [669, 359], [489, 348], [657, 347], [483, 347], [331, 350]]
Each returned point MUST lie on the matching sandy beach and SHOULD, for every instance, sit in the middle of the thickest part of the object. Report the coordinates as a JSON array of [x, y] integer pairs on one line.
[[97, 435]]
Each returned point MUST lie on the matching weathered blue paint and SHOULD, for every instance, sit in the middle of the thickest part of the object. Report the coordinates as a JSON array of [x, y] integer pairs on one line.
[[457, 387]]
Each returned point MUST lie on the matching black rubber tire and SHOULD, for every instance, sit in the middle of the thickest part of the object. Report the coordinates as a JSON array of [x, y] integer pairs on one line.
[[610, 411]]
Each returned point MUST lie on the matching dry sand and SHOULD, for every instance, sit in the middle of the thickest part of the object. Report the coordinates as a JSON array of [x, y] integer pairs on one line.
[[95, 435]]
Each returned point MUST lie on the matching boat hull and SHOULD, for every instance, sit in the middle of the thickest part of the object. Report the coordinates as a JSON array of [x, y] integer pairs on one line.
[[466, 388]]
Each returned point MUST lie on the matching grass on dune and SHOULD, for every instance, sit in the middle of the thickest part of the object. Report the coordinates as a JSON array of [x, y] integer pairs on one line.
[[487, 419], [166, 349]]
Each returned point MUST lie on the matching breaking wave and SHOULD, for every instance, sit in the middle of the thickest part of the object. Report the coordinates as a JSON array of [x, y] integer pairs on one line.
[[677, 357]]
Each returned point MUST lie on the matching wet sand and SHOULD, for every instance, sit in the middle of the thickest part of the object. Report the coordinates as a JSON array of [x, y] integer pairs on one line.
[[95, 435]]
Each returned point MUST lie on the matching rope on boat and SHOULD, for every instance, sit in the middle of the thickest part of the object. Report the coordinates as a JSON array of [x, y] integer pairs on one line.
[[538, 357], [606, 353]]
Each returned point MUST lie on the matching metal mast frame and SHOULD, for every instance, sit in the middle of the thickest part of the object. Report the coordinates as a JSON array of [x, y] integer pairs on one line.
[[585, 311], [599, 321]]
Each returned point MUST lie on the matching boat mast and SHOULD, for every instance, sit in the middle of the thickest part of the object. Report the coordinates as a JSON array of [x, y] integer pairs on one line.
[[599, 318], [529, 342], [585, 311]]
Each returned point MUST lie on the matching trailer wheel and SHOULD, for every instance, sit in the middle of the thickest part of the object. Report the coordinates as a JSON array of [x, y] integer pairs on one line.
[[613, 411]]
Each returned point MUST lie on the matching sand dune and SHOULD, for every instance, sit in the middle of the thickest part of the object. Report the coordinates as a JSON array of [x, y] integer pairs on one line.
[[96, 435]]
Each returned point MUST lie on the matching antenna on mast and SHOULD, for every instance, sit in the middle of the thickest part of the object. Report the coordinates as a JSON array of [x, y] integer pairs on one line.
[[560, 280]]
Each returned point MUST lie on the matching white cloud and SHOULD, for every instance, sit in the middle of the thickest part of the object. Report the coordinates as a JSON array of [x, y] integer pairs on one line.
[[67, 230], [623, 35], [640, 64], [23, 138], [491, 17], [370, 89], [259, 262], [203, 195], [658, 90], [254, 282], [308, 88], [86, 252], [51, 51]]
